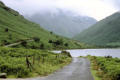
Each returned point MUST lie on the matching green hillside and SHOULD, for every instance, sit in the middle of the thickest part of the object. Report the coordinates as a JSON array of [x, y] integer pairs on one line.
[[104, 33], [15, 28]]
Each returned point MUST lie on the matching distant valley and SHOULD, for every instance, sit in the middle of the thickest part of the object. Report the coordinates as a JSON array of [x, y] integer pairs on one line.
[[63, 23]]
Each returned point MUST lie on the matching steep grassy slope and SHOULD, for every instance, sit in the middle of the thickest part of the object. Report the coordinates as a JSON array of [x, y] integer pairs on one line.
[[14, 28], [105, 33]]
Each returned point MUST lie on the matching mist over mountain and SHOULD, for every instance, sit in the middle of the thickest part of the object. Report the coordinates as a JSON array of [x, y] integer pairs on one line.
[[61, 22], [104, 33]]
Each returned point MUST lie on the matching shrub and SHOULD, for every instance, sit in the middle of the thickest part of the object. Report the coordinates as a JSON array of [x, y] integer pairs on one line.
[[50, 41], [66, 44], [66, 53], [51, 32], [24, 43], [18, 70], [6, 29], [42, 46], [58, 42], [5, 42], [36, 39]]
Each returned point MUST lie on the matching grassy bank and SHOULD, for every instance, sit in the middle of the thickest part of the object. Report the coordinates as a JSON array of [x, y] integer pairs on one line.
[[94, 71], [105, 68], [21, 63]]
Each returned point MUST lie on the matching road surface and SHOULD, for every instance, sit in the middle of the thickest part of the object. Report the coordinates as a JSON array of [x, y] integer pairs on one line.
[[79, 69]]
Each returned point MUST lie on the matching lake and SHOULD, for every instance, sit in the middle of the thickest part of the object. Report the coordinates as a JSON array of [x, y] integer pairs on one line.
[[93, 52]]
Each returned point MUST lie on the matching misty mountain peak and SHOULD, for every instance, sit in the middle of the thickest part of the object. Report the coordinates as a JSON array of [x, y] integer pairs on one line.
[[62, 22]]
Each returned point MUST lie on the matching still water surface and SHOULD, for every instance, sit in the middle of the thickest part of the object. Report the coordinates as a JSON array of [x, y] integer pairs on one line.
[[94, 52]]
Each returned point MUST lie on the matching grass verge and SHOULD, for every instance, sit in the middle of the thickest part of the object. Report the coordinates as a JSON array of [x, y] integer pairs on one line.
[[105, 68], [23, 63], [94, 72]]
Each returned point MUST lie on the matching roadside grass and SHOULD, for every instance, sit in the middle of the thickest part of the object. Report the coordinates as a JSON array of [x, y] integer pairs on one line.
[[23, 63], [105, 68], [94, 73]]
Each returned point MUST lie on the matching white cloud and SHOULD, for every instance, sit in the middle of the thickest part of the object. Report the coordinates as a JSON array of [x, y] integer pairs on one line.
[[94, 8], [98, 9], [114, 3]]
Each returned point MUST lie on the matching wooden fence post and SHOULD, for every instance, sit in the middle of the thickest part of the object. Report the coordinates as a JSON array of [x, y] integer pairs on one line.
[[33, 59], [27, 62]]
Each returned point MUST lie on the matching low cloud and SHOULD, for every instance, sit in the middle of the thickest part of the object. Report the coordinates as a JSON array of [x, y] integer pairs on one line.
[[114, 3], [98, 9]]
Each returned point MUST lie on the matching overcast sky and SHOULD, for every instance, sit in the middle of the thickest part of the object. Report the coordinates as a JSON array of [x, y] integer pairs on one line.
[[98, 9]]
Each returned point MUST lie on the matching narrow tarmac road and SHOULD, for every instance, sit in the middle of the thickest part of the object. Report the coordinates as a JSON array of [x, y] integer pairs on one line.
[[79, 69]]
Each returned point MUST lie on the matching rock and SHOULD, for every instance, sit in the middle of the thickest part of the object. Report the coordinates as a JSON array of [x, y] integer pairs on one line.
[[66, 53], [3, 75]]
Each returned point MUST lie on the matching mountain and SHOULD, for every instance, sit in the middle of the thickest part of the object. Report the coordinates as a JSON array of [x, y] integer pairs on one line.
[[64, 23], [104, 33], [14, 28]]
